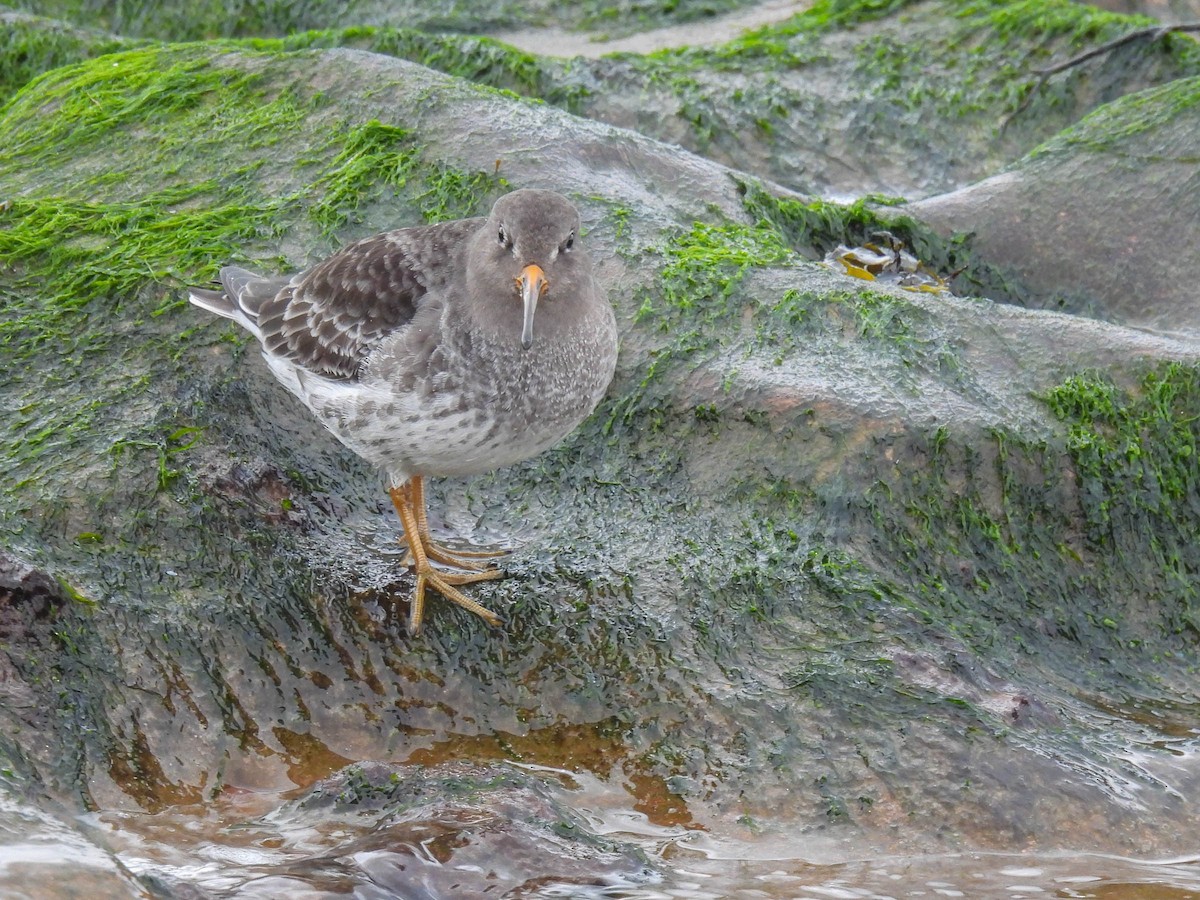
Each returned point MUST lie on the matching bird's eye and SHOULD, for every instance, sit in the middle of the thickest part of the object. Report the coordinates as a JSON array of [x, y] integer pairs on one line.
[[569, 242], [501, 236]]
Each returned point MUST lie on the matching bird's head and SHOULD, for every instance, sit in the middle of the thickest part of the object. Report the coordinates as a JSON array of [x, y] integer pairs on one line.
[[531, 244]]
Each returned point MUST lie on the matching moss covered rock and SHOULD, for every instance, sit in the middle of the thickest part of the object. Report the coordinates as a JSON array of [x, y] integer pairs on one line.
[[846, 98], [880, 568], [275, 18], [1099, 219]]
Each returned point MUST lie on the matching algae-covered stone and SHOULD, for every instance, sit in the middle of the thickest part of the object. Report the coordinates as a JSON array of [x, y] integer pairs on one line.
[[897, 98], [31, 45], [1101, 219], [881, 568], [219, 18], [846, 98]]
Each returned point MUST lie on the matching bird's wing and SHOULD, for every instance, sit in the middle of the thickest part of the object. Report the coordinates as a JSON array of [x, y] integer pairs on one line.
[[328, 318]]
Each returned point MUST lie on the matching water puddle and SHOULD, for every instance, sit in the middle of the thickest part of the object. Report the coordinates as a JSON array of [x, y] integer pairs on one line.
[[504, 829]]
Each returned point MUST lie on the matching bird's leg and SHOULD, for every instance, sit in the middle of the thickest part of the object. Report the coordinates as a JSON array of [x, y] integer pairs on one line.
[[443, 582], [460, 559]]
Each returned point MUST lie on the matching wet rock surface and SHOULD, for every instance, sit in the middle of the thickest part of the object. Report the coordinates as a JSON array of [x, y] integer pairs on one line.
[[30, 601], [1099, 253], [882, 571], [28, 597], [142, 18]]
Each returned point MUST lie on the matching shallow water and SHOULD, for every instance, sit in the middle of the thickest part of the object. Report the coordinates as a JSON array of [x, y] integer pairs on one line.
[[303, 845]]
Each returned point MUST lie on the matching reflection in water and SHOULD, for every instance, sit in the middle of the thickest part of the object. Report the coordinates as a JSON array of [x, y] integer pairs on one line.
[[501, 829], [560, 811], [723, 871]]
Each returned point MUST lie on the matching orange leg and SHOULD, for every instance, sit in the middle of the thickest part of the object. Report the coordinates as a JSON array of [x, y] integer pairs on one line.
[[460, 559], [409, 500]]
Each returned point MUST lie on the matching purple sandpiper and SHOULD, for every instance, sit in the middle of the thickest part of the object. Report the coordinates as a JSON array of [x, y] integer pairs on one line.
[[418, 349]]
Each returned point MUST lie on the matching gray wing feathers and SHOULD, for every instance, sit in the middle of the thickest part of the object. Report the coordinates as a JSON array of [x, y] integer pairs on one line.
[[328, 319], [213, 301], [241, 297], [250, 291]]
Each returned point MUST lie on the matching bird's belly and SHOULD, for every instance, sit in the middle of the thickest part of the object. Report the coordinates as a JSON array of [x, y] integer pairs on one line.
[[502, 410], [443, 433], [444, 441]]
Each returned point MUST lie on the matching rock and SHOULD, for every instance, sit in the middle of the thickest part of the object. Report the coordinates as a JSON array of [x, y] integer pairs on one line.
[[27, 596], [907, 99], [1114, 254], [842, 99], [457, 828], [34, 44], [30, 603], [1167, 10], [877, 569], [201, 21]]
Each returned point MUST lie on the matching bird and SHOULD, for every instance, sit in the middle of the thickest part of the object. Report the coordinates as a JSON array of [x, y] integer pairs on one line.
[[442, 350]]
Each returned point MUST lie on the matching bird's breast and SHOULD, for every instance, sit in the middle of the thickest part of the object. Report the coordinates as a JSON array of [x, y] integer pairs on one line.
[[469, 402]]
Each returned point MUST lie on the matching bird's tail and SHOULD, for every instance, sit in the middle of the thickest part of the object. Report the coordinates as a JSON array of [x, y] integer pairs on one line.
[[214, 301], [241, 294]]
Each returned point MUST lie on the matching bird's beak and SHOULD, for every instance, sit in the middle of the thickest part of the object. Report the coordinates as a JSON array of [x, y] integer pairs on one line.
[[532, 284]]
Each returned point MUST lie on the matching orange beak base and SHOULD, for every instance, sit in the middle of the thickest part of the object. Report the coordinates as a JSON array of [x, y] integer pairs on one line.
[[532, 284]]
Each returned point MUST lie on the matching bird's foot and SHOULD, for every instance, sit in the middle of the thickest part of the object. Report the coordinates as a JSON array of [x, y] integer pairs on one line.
[[469, 560], [444, 583], [409, 500]]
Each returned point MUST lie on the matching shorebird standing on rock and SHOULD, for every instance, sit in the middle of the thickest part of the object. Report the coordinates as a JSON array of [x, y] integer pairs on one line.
[[442, 350]]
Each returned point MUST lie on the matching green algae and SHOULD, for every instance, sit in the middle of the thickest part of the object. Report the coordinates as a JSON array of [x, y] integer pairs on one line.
[[1019, 20], [769, 582], [699, 304], [815, 227], [801, 320], [207, 19], [90, 256], [1137, 452], [1070, 553], [372, 155], [449, 193], [697, 291], [778, 42], [629, 16], [183, 113], [704, 266], [845, 13], [55, 282], [978, 72], [61, 291], [376, 158], [922, 73], [30, 46], [895, 71], [1110, 129], [478, 59], [1077, 551], [1029, 29], [117, 251], [198, 20]]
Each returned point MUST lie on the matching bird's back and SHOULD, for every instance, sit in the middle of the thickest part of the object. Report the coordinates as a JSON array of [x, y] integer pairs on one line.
[[327, 319]]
